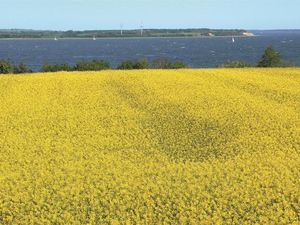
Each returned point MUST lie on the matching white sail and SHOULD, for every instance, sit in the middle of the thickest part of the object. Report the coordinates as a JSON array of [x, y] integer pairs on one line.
[[233, 40]]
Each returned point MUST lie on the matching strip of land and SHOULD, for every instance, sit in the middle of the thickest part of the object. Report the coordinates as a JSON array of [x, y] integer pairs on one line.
[[18, 33]]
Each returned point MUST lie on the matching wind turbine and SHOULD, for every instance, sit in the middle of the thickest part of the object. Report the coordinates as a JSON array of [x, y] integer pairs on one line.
[[142, 29], [121, 29]]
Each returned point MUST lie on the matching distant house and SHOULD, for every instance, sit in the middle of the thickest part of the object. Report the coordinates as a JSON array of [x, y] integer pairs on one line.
[[248, 34]]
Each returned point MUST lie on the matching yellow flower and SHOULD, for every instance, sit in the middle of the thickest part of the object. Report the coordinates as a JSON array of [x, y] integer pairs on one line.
[[191, 146]]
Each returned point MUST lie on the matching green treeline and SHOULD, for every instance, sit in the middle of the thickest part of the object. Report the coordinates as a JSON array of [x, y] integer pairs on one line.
[[270, 58], [6, 67]]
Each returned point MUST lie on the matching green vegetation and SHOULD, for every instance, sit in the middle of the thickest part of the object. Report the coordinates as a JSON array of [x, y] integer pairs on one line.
[[83, 65], [165, 63], [235, 64], [117, 33], [272, 58], [93, 65], [96, 65], [7, 67], [56, 67], [21, 68], [133, 64], [161, 63]]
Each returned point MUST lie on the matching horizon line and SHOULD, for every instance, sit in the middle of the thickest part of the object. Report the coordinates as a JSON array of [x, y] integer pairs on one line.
[[115, 29]]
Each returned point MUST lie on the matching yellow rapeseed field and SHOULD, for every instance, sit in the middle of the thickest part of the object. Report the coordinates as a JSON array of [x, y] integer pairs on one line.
[[193, 146]]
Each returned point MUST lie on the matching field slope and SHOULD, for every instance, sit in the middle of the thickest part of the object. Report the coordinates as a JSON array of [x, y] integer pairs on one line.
[[208, 146]]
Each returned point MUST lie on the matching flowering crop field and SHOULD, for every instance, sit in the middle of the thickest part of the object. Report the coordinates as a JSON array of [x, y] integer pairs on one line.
[[191, 146]]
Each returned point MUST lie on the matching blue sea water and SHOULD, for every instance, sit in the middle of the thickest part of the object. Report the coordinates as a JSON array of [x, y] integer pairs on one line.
[[196, 52]]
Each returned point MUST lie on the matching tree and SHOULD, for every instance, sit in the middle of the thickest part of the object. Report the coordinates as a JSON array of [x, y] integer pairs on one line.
[[21, 68], [6, 67], [270, 58], [178, 65], [141, 64]]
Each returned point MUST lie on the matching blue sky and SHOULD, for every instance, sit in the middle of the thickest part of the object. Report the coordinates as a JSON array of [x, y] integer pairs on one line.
[[109, 14]]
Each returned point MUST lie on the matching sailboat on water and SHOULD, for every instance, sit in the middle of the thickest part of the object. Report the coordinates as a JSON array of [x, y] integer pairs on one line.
[[55, 38], [94, 38], [233, 40]]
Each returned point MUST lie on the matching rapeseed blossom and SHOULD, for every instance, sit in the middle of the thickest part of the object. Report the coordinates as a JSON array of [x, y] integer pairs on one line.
[[191, 146]]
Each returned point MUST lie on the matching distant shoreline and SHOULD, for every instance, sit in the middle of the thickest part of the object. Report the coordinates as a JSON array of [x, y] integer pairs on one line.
[[128, 38], [137, 33]]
